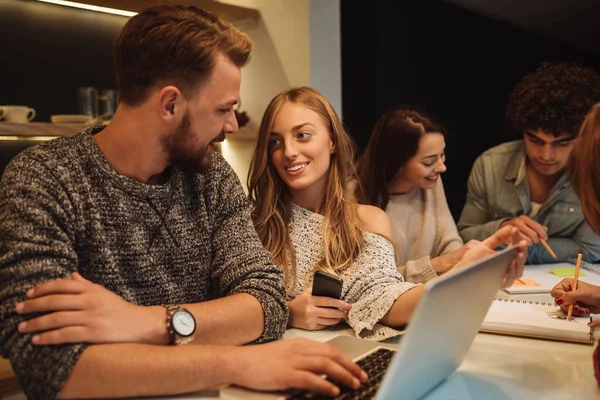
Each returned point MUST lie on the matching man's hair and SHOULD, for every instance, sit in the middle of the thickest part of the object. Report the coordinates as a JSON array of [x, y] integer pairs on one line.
[[394, 141], [584, 168], [555, 98], [173, 45], [271, 199]]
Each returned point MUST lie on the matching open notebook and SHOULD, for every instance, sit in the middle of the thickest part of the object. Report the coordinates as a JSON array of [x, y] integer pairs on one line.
[[536, 320], [542, 278]]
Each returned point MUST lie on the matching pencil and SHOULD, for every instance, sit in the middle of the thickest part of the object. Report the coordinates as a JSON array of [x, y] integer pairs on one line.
[[548, 248], [575, 280]]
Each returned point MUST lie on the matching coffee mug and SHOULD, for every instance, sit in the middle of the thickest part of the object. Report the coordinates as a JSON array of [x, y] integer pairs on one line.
[[87, 101], [107, 103], [17, 114]]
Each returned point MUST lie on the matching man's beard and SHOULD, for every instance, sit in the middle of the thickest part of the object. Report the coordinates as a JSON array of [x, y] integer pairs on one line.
[[180, 146]]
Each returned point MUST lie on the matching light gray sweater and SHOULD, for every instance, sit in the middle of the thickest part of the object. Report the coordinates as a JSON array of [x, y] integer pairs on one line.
[[371, 283], [63, 208], [423, 228]]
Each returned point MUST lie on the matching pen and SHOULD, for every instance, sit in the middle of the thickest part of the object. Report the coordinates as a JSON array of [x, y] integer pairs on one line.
[[548, 248], [575, 279]]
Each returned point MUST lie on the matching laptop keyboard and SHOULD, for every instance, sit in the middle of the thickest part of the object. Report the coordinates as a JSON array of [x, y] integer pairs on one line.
[[374, 364]]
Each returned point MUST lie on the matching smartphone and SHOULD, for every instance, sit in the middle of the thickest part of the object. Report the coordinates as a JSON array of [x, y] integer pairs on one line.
[[327, 285]]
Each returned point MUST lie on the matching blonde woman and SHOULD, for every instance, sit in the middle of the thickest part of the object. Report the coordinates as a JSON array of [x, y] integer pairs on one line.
[[306, 215]]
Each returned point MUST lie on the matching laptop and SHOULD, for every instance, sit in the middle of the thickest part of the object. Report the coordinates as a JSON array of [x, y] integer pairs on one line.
[[436, 341]]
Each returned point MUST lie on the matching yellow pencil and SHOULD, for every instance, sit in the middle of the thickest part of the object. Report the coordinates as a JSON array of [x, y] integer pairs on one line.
[[575, 280], [548, 248]]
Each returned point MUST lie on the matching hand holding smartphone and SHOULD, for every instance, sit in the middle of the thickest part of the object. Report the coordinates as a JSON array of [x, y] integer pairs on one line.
[[327, 285]]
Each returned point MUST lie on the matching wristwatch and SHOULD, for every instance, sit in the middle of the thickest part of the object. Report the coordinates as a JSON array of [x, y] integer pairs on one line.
[[180, 324]]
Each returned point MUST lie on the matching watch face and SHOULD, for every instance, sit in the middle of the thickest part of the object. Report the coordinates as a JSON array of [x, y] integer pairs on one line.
[[184, 323]]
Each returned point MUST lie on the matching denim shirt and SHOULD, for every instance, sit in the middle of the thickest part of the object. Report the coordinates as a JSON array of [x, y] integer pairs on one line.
[[498, 190]]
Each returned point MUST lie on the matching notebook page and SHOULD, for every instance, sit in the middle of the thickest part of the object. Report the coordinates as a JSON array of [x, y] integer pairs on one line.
[[545, 280], [529, 318]]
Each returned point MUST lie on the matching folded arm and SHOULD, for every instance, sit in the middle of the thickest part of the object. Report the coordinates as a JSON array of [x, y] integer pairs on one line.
[[80, 311]]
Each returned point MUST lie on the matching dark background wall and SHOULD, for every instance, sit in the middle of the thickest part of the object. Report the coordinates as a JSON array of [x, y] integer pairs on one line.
[[456, 64], [48, 51]]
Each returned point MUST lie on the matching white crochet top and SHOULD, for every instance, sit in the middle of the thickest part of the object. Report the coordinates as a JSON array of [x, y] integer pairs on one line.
[[371, 284]]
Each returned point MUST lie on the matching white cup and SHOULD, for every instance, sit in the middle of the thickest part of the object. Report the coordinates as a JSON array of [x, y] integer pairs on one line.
[[17, 114]]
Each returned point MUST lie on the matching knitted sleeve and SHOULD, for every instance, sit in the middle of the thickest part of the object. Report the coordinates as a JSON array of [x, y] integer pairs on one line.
[[418, 271], [372, 284], [36, 245], [240, 262]]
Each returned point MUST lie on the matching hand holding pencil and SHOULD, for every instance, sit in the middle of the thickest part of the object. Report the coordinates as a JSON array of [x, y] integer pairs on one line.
[[584, 300], [533, 231]]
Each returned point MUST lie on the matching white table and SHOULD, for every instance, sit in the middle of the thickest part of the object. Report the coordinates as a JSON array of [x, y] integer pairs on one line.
[[497, 368]]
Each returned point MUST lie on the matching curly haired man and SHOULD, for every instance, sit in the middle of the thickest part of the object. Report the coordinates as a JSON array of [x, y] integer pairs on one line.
[[524, 183]]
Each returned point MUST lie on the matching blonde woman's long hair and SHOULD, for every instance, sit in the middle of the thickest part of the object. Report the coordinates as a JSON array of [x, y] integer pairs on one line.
[[271, 199]]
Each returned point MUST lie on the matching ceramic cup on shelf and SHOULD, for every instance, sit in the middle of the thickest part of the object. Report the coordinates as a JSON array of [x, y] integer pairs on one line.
[[87, 101], [107, 103], [17, 114]]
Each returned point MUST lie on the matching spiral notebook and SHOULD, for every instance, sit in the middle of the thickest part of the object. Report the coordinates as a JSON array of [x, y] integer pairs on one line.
[[542, 278], [537, 320]]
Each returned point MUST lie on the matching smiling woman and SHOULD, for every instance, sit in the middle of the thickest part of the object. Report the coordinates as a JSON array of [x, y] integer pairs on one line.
[[400, 173]]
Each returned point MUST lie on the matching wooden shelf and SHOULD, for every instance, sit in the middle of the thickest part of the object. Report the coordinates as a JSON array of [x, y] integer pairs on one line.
[[228, 12], [45, 129], [39, 129], [8, 381]]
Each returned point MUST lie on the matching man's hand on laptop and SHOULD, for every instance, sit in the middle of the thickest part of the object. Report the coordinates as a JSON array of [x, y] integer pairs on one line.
[[77, 310], [294, 364], [507, 235]]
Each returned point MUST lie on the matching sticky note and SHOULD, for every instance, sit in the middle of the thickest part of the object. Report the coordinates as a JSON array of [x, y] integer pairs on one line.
[[526, 282], [568, 272]]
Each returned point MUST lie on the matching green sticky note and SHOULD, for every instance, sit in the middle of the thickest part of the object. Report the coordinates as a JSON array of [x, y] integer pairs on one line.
[[568, 272]]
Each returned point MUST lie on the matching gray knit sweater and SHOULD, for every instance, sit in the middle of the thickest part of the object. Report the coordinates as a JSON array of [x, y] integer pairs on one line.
[[63, 208]]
